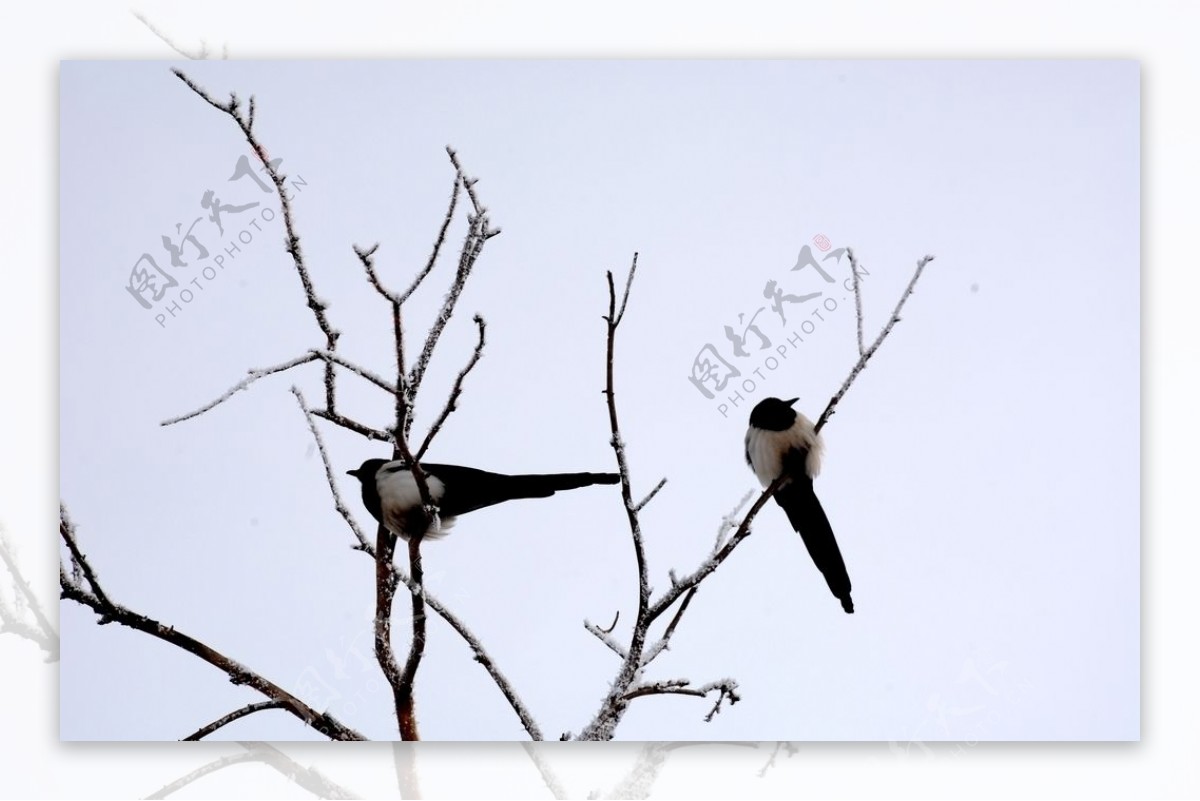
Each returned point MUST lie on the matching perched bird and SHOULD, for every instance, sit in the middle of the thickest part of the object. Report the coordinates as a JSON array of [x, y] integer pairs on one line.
[[392, 496], [782, 440]]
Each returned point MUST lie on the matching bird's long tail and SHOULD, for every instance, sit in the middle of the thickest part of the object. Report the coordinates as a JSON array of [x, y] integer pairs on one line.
[[807, 516], [543, 485]]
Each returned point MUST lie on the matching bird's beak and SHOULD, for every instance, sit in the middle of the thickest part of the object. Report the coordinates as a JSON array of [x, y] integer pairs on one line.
[[792, 401], [352, 473]]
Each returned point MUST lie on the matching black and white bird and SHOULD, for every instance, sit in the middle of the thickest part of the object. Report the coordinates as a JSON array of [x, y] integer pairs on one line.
[[392, 496], [782, 440]]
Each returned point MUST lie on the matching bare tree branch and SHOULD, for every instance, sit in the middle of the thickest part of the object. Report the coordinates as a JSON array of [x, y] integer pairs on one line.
[[866, 356], [406, 699], [664, 642], [353, 425], [441, 237], [613, 707], [95, 598], [606, 638], [725, 689], [292, 243], [236, 714], [650, 496], [452, 401], [858, 307], [254, 375], [472, 246], [338, 503], [329, 358]]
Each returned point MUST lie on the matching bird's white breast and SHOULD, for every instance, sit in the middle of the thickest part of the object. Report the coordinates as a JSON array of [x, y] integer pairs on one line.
[[766, 449], [399, 495]]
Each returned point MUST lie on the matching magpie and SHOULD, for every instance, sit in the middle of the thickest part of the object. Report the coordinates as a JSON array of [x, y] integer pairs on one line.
[[782, 440], [392, 496]]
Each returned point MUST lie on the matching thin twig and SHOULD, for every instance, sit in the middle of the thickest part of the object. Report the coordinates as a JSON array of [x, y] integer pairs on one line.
[[858, 307], [472, 246], [328, 357], [725, 688], [338, 503], [456, 391], [606, 638], [468, 183], [353, 425], [628, 286], [883, 334], [714, 561], [366, 256], [441, 236], [649, 497], [66, 530], [236, 714], [254, 375], [664, 642]]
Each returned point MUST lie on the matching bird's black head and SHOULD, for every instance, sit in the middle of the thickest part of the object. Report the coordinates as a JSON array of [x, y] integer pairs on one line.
[[367, 469], [773, 414]]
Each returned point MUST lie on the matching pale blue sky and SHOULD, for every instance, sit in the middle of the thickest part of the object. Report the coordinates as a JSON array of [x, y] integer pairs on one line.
[[982, 476]]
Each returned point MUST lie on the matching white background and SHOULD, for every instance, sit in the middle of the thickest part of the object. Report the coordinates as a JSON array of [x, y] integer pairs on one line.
[[824, 764]]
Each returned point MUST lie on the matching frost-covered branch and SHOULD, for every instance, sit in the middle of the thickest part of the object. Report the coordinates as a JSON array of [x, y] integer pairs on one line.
[[858, 307], [452, 401], [869, 352], [612, 708], [254, 375], [245, 122], [338, 503], [650, 495], [726, 689], [353, 425], [606, 637], [477, 234], [87, 591], [628, 684], [441, 236], [237, 714]]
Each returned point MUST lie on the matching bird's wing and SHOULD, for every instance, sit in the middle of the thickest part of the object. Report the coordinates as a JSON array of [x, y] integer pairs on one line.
[[468, 488]]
